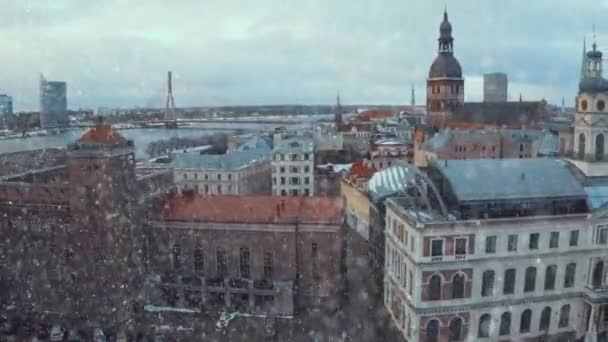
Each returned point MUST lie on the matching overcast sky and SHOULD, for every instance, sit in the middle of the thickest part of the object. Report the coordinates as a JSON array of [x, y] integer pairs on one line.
[[227, 52]]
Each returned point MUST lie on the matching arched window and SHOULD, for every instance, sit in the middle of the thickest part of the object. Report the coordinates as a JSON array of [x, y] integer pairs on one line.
[[581, 146], [601, 105], [598, 274], [432, 331], [484, 326], [526, 318], [599, 147], [570, 275], [530, 281], [550, 277], [487, 283], [564, 316], [545, 319], [455, 329], [505, 324], [583, 105], [435, 287], [458, 286]]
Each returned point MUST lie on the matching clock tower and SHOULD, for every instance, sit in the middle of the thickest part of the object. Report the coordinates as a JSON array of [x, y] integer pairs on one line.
[[591, 126]]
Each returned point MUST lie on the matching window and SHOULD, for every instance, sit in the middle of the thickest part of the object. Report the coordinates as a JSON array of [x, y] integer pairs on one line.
[[570, 275], [435, 287], [436, 247], [229, 176], [491, 244], [294, 192], [294, 181], [574, 238], [458, 286], [564, 316], [505, 324], [306, 180], [599, 147], [601, 105], [461, 246], [581, 140], [199, 260], [177, 256], [244, 262], [306, 192], [530, 281], [487, 283], [294, 157], [598, 274], [306, 169], [219, 176], [282, 169], [554, 240], [432, 331], [185, 176], [526, 319], [545, 319], [314, 254], [306, 156], [512, 243], [533, 241], [455, 329], [294, 169], [509, 283], [484, 326], [268, 265], [550, 273], [602, 235], [282, 180], [411, 289], [584, 105], [221, 266]]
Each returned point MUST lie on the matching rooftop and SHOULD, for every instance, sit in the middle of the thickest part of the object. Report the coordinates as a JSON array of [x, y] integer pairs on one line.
[[253, 209], [227, 162], [295, 144], [510, 114], [102, 134], [509, 179], [391, 181], [374, 114]]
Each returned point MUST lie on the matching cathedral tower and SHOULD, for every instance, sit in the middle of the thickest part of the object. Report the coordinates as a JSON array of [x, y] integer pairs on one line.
[[445, 85]]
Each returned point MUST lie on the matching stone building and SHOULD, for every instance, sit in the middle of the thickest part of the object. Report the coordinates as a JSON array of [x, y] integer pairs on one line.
[[293, 167], [73, 246], [263, 255], [496, 249], [236, 173]]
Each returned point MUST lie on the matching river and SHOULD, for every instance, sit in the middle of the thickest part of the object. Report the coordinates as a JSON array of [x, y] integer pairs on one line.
[[140, 136]]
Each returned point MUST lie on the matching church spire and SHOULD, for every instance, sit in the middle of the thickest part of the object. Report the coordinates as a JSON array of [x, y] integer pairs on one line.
[[584, 60], [413, 100], [446, 40], [338, 113]]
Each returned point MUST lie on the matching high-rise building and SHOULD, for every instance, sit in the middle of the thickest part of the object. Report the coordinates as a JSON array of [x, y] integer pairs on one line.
[[495, 87], [53, 104], [6, 110]]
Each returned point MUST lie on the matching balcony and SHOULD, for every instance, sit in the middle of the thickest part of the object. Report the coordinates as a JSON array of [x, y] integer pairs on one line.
[[437, 258], [263, 284], [461, 257]]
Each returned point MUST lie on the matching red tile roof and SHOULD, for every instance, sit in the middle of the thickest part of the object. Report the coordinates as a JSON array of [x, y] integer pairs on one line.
[[370, 115], [360, 170], [102, 134], [252, 209]]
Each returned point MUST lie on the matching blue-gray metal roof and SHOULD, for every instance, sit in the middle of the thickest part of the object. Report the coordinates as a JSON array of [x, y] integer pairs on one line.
[[255, 143], [598, 195], [295, 144], [549, 145], [509, 179], [225, 162]]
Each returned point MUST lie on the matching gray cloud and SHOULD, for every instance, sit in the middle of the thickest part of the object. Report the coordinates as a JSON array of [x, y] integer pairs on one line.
[[116, 52]]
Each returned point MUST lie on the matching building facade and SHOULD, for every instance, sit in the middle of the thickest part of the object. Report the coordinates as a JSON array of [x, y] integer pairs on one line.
[[293, 167], [237, 173], [53, 104], [262, 255], [501, 255], [495, 87]]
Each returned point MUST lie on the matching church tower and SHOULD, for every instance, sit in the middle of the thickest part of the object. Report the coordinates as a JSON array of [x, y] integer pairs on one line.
[[591, 126], [338, 111], [445, 85]]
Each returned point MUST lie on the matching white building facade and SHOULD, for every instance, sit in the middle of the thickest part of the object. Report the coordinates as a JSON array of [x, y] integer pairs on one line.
[[293, 167]]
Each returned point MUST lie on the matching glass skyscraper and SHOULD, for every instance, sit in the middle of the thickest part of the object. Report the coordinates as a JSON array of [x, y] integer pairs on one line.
[[53, 104]]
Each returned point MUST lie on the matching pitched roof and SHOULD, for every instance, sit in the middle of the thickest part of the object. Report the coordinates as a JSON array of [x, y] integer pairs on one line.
[[253, 209], [509, 179], [390, 181], [510, 114], [374, 114], [360, 170], [230, 161], [102, 134]]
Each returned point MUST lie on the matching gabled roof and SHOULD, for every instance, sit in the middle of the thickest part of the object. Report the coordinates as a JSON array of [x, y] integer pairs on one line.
[[102, 134], [510, 114], [374, 114], [253, 209]]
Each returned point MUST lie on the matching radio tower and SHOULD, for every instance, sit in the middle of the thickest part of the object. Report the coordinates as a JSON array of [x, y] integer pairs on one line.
[[170, 116]]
